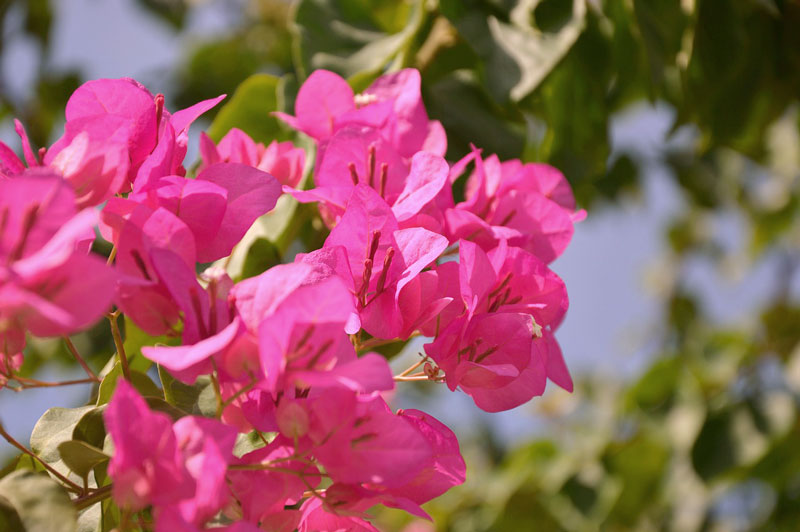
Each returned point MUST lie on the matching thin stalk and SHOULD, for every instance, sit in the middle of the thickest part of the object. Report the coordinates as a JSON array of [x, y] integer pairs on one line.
[[217, 390], [243, 390], [412, 368], [123, 358], [112, 255], [33, 383], [94, 497], [267, 467], [69, 484], [411, 378], [80, 359]]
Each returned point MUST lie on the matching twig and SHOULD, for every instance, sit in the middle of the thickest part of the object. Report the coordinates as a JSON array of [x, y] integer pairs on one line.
[[217, 390], [112, 255], [69, 484], [92, 498], [415, 366], [123, 358], [33, 383], [411, 378], [80, 359], [243, 390]]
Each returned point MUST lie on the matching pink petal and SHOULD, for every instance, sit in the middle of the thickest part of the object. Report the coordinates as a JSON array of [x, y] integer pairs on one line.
[[322, 98], [181, 120], [427, 177], [251, 193]]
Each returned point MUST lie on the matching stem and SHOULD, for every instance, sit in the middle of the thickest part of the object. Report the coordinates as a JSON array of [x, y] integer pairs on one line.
[[80, 359], [410, 378], [412, 368], [112, 254], [69, 484], [94, 497], [267, 467], [217, 391], [33, 383], [123, 358], [243, 390]]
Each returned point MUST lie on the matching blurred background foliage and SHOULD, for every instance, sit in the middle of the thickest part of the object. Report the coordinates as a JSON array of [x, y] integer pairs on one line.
[[708, 436]]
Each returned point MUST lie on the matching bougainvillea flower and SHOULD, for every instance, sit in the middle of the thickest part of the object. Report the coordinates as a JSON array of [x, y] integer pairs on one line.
[[357, 155], [393, 103], [113, 128], [304, 338], [180, 468], [315, 516], [507, 279], [493, 358], [408, 126], [137, 230], [218, 207], [206, 447], [530, 205], [95, 161], [445, 468], [127, 103], [97, 167], [382, 259], [264, 492], [147, 466], [209, 323], [283, 160], [250, 194], [49, 284], [323, 97], [358, 439]]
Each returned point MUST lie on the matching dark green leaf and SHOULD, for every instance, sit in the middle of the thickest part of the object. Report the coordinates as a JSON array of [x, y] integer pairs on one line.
[[353, 38], [143, 384], [249, 110], [81, 457]]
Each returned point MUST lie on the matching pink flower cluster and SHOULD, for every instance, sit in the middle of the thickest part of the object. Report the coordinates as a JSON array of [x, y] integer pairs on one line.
[[288, 350]]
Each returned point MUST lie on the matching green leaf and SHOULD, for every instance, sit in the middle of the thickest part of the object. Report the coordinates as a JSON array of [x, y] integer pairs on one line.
[[184, 397], [640, 464], [27, 463], [81, 457], [247, 443], [42, 504], [167, 381], [143, 384], [249, 110], [484, 124], [655, 390], [261, 256], [159, 405], [353, 38], [91, 428], [516, 55], [135, 339], [207, 401], [55, 426]]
